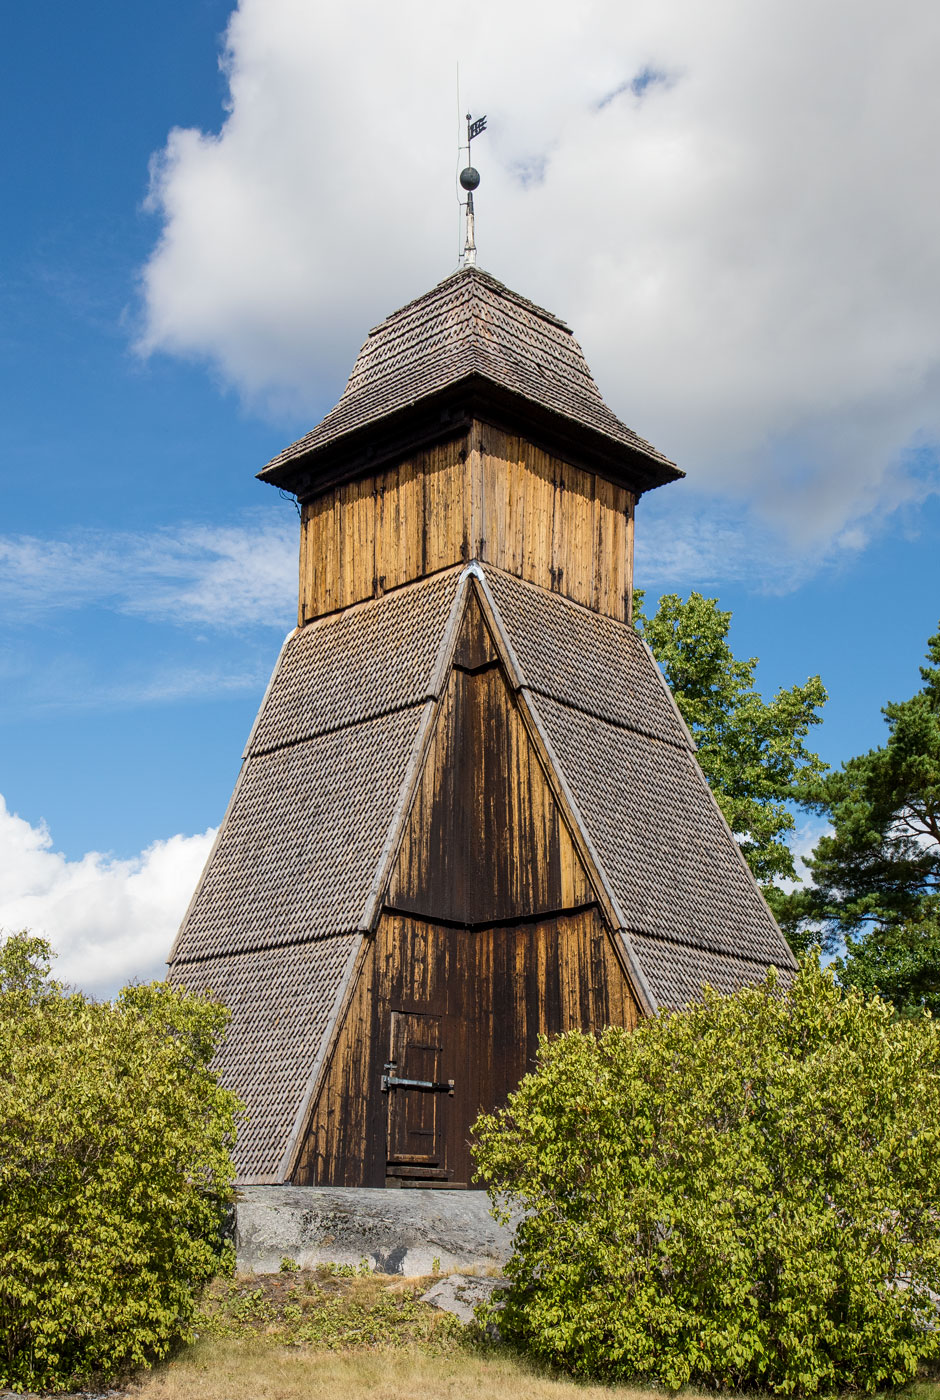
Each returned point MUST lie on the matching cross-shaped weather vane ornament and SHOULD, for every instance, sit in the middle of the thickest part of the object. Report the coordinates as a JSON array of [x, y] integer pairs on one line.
[[469, 181]]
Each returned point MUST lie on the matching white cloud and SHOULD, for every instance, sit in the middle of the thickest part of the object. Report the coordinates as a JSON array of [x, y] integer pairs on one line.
[[683, 541], [110, 921], [221, 576], [746, 248], [688, 547], [804, 839]]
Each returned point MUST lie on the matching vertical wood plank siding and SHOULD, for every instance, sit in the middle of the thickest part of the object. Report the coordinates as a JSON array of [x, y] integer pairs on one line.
[[495, 990], [491, 934], [485, 841], [490, 931], [486, 495]]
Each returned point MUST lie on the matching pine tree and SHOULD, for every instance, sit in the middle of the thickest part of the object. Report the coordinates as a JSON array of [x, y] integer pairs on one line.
[[876, 877]]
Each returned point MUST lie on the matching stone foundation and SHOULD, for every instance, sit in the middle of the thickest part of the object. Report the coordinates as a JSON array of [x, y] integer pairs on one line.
[[396, 1232]]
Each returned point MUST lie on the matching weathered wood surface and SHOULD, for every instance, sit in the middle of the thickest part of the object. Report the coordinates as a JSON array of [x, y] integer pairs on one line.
[[485, 841], [492, 991], [414, 1123], [492, 931], [491, 934], [486, 495]]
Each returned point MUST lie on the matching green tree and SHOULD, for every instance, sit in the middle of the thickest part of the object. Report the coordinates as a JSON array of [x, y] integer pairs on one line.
[[115, 1171], [25, 965], [743, 1194], [876, 877], [751, 751], [898, 961]]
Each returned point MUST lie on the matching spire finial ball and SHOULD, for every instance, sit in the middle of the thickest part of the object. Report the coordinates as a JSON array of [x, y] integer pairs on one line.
[[470, 178]]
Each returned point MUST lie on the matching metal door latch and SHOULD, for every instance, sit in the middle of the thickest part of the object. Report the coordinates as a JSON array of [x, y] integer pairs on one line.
[[391, 1081]]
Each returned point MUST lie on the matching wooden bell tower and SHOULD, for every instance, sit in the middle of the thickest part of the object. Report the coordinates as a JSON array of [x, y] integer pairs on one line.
[[468, 812]]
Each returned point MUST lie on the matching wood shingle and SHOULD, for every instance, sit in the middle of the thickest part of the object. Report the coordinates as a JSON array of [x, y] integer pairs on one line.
[[301, 868], [469, 813]]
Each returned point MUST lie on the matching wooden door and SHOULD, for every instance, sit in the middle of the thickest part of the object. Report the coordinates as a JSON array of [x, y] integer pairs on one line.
[[415, 1117]]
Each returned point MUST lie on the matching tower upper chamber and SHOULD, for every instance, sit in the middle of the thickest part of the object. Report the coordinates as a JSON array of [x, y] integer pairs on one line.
[[470, 428]]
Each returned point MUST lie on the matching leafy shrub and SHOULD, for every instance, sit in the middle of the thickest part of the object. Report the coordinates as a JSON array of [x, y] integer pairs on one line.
[[742, 1194], [115, 1171]]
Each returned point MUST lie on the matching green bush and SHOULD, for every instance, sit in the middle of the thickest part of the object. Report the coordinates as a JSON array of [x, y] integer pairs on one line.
[[743, 1194], [115, 1172]]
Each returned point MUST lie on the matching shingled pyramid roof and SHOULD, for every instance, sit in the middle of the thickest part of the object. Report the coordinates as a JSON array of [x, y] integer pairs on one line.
[[472, 328], [300, 868]]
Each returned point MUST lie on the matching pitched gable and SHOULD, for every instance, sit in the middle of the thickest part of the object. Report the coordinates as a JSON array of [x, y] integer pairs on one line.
[[291, 883], [486, 841], [675, 874], [358, 793]]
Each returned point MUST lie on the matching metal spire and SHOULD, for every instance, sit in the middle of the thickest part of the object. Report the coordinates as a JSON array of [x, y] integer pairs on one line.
[[469, 181]]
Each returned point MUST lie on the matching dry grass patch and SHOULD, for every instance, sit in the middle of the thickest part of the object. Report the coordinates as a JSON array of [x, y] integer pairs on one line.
[[227, 1370], [351, 1335], [358, 1336], [255, 1370]]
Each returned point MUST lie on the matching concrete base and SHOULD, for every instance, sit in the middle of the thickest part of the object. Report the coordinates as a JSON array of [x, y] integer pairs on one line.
[[397, 1232]]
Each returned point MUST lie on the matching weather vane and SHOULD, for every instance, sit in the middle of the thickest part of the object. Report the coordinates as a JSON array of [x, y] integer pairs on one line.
[[469, 181]]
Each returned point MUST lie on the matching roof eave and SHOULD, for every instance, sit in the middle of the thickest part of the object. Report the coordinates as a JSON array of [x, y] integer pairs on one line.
[[447, 413]]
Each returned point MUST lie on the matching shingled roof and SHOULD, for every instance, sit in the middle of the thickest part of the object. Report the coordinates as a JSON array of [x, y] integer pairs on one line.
[[470, 327], [298, 874]]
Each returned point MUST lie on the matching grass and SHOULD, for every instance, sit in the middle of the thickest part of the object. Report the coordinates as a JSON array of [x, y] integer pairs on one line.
[[329, 1333], [328, 1308], [358, 1336], [231, 1370]]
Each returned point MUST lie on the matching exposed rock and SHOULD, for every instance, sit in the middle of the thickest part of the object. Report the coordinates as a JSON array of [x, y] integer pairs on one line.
[[396, 1232], [460, 1295], [61, 1395]]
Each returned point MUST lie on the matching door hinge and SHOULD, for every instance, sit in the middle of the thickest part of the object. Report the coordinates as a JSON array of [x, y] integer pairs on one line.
[[391, 1081]]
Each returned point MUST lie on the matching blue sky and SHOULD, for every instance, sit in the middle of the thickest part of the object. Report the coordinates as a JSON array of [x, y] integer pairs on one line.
[[155, 354], [96, 439]]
